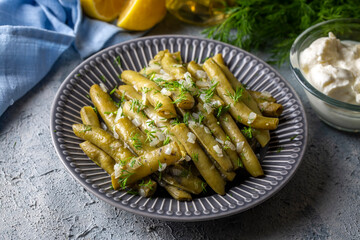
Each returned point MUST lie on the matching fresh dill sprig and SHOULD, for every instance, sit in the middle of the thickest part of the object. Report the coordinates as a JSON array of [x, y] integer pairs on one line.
[[248, 132], [149, 135], [222, 109], [237, 94], [136, 142], [274, 24], [158, 105]]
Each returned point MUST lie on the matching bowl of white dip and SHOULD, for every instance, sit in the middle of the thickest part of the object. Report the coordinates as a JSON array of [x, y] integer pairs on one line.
[[325, 59]]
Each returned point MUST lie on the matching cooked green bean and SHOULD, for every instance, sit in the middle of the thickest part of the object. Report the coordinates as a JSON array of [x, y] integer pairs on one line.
[[152, 161], [200, 159], [248, 157], [260, 96], [210, 145], [154, 64], [271, 109], [263, 136], [211, 122], [177, 193], [228, 176], [103, 140], [104, 105], [187, 182], [159, 121], [134, 138], [210, 96], [98, 156], [145, 187], [162, 104], [237, 108], [181, 97], [173, 66], [128, 92], [89, 116]]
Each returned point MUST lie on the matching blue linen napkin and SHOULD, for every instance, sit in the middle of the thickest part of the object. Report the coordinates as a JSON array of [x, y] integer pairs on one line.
[[33, 35]]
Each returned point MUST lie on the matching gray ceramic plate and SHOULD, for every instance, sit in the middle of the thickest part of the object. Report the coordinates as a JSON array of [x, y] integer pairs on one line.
[[279, 166]]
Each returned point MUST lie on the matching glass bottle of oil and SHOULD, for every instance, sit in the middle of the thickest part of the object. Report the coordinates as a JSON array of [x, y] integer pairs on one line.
[[198, 12]]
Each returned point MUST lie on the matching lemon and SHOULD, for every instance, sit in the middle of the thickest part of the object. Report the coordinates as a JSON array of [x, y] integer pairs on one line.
[[104, 10], [141, 15]]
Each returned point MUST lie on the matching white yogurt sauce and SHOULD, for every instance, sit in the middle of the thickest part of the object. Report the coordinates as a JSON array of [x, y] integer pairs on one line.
[[333, 67]]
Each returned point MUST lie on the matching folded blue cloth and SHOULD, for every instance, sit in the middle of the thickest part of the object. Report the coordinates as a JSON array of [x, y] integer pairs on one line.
[[34, 33]]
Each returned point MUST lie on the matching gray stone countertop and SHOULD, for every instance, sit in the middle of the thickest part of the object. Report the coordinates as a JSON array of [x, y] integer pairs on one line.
[[40, 200]]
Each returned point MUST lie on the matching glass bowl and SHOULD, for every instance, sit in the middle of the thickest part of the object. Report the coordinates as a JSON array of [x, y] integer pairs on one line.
[[341, 115]]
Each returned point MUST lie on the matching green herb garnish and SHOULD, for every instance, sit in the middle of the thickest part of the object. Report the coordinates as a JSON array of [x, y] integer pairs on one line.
[[186, 118], [158, 105], [203, 186], [236, 96], [86, 128], [103, 78], [149, 135], [112, 91], [195, 157], [293, 137], [166, 141], [118, 61], [136, 141], [248, 132], [274, 25], [221, 110]]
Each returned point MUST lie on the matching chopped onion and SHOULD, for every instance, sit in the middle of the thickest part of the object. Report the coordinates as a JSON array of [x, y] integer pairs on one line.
[[103, 126], [162, 168], [266, 94], [207, 130], [251, 118], [187, 76], [154, 142], [195, 115], [118, 114], [117, 170], [191, 137], [136, 122], [103, 87], [219, 141], [218, 150], [192, 123], [265, 104], [142, 192], [239, 146], [144, 98], [203, 97], [230, 145], [115, 133], [135, 87], [168, 149], [160, 135], [187, 158], [216, 103], [165, 92], [200, 74], [208, 108]]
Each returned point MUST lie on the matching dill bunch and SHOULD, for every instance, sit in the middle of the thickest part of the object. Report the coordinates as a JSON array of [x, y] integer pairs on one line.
[[274, 24]]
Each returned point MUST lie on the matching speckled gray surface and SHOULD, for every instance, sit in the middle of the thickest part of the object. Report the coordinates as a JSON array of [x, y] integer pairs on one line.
[[40, 200]]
